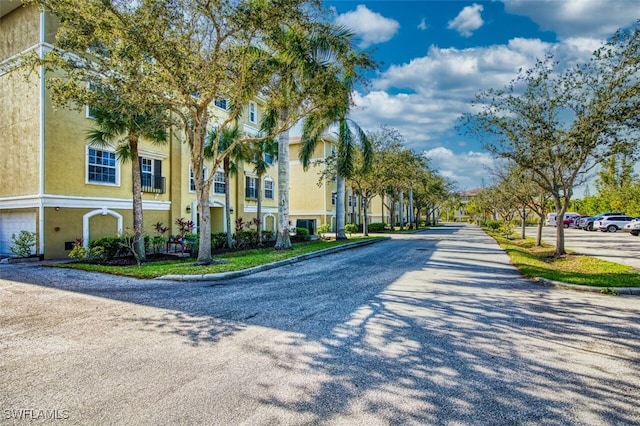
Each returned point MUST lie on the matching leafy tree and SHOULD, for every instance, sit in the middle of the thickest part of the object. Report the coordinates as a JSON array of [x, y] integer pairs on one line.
[[188, 53], [310, 64], [559, 126], [429, 192], [529, 194], [400, 170]]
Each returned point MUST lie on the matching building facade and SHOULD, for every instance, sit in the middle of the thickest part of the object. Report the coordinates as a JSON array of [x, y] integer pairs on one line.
[[57, 185]]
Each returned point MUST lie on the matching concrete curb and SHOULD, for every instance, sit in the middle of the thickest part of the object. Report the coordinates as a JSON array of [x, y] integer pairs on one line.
[[244, 272], [633, 291]]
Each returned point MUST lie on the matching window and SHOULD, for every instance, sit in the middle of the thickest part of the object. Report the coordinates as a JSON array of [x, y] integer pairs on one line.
[[350, 198], [334, 196], [102, 167], [221, 103], [253, 113], [250, 187], [192, 182], [268, 189], [268, 158], [91, 111], [146, 171], [151, 175], [219, 185]]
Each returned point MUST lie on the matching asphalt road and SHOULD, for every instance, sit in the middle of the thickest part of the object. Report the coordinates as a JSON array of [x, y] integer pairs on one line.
[[619, 247], [433, 328]]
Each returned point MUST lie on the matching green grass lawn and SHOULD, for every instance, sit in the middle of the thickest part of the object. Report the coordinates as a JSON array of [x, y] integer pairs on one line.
[[535, 261], [227, 262]]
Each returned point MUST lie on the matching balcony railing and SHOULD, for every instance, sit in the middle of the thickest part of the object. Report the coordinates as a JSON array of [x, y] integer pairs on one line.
[[153, 184]]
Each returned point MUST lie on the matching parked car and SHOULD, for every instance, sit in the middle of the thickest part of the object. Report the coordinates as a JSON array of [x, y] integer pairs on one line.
[[612, 223], [575, 222], [551, 219], [588, 224], [631, 226], [569, 218], [635, 228]]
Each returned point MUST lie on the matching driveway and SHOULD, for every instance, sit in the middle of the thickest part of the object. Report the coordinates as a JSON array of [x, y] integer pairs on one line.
[[619, 247], [431, 328]]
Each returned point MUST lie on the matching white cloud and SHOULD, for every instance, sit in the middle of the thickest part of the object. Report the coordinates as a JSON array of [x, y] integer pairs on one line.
[[468, 20], [577, 18], [423, 24], [468, 169], [370, 27]]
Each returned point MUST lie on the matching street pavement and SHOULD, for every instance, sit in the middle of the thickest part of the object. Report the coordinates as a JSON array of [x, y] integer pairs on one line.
[[432, 328]]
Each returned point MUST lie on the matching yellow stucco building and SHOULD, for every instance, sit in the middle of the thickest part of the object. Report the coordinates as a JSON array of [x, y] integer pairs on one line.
[[57, 185]]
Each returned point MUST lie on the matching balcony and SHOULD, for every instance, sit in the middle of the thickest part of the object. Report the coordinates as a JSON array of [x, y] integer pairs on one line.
[[153, 184]]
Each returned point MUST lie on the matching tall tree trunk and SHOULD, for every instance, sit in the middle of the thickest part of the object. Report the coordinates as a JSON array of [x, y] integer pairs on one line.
[[138, 222], [524, 221], [283, 241], [227, 202], [539, 233], [365, 220], [401, 210], [410, 204], [203, 187], [561, 208], [259, 209], [340, 208]]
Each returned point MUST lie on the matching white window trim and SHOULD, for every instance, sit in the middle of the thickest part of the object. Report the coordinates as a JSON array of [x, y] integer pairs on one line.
[[87, 107], [193, 191], [223, 182], [264, 189], [154, 155], [254, 106], [86, 166], [226, 108]]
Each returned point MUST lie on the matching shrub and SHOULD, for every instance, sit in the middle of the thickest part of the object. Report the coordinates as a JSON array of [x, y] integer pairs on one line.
[[268, 236], [377, 227], [82, 254], [218, 240], [193, 243], [302, 234], [351, 228], [323, 229], [110, 246], [158, 243], [23, 243], [494, 225]]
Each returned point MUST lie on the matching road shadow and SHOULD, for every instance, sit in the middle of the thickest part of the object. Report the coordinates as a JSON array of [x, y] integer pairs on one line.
[[427, 328]]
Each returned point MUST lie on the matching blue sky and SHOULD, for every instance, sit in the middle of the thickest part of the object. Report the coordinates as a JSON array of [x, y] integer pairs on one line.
[[435, 55]]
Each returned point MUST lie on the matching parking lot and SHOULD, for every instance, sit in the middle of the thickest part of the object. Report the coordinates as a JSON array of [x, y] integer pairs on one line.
[[620, 247]]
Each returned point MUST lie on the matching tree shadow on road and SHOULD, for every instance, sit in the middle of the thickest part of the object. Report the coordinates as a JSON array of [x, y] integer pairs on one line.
[[432, 329]]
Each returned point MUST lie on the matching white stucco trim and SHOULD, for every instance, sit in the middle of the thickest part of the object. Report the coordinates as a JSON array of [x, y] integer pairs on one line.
[[254, 209], [103, 212], [77, 202]]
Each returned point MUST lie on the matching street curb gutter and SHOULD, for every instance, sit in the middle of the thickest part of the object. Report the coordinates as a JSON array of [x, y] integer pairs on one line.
[[244, 272], [634, 291]]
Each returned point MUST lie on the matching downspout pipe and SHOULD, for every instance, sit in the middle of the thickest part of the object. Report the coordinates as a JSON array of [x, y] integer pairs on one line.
[[41, 189]]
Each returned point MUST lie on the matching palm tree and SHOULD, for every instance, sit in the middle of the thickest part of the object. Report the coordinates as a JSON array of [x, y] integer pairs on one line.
[[114, 126], [262, 149], [228, 138], [344, 165], [306, 62]]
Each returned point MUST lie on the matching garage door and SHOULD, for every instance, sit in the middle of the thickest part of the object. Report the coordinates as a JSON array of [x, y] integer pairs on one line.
[[13, 223]]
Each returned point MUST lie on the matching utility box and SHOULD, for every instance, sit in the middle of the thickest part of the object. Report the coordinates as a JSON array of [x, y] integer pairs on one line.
[[309, 224]]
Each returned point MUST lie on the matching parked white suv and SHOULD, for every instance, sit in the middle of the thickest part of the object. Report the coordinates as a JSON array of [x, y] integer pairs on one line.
[[612, 223]]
